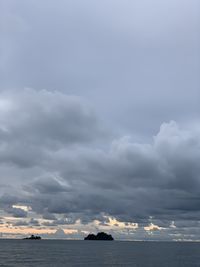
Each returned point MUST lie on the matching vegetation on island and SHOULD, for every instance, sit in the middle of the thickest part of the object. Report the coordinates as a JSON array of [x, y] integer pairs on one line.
[[33, 237], [99, 236]]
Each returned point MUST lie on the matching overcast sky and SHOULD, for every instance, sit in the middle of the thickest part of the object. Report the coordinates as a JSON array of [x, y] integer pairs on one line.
[[99, 118]]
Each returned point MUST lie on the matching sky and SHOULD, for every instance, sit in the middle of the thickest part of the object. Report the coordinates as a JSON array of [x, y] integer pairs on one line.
[[99, 118]]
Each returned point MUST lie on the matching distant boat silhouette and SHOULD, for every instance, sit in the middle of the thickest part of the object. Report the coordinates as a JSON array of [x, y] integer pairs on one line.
[[99, 236], [33, 237]]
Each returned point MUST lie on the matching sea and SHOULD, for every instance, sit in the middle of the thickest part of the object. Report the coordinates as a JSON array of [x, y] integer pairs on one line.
[[47, 253]]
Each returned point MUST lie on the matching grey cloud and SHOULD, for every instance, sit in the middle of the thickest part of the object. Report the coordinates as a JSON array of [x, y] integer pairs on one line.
[[20, 223], [145, 175], [34, 222], [129, 181], [35, 123], [31, 222], [62, 221], [16, 212], [7, 199], [49, 185], [40, 115], [49, 216]]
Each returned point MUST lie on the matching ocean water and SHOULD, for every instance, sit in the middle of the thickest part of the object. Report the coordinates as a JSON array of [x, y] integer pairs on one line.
[[19, 253]]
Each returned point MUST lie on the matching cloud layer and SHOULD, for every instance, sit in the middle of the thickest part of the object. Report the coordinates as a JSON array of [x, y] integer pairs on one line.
[[126, 57], [52, 160]]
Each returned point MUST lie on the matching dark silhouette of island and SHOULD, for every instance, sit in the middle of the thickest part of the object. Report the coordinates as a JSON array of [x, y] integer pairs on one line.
[[33, 237], [99, 236]]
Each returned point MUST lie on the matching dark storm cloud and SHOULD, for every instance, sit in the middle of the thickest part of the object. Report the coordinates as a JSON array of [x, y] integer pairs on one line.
[[151, 180], [48, 185], [8, 199], [128, 180]]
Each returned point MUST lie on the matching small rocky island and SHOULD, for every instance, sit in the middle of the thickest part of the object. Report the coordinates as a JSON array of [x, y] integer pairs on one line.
[[99, 236], [33, 237]]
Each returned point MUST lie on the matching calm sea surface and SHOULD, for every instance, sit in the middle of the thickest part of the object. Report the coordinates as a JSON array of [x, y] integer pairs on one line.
[[98, 253]]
